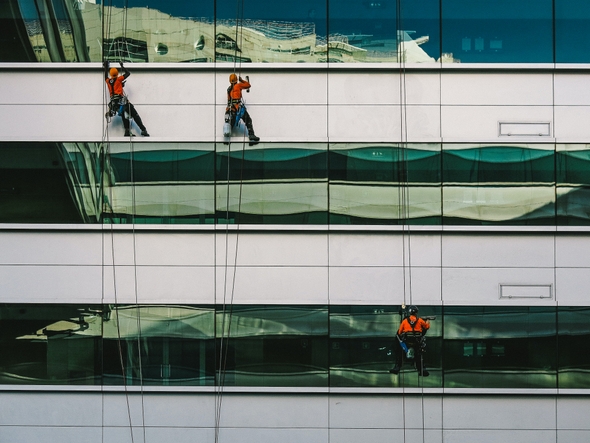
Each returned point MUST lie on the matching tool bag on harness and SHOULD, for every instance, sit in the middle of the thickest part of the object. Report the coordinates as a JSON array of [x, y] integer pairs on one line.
[[117, 106]]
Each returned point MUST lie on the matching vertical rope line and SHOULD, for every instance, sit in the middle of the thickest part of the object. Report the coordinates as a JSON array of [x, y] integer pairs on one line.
[[105, 151], [223, 351]]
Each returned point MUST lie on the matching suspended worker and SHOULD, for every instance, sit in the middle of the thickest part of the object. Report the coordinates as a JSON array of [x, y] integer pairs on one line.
[[236, 108], [410, 337], [119, 104]]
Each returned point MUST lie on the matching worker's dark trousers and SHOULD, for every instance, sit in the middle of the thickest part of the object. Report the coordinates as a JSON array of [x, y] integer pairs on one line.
[[246, 119], [399, 355], [130, 110]]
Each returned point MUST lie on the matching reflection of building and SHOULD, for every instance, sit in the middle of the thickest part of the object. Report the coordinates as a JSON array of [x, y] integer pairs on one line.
[[148, 35], [175, 288]]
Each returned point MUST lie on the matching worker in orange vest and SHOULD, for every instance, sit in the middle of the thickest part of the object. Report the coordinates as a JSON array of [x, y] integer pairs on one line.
[[119, 104], [236, 109], [410, 336]]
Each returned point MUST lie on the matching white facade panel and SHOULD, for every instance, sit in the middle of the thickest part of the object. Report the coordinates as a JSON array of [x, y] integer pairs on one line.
[[571, 124], [366, 285], [266, 435], [271, 249], [474, 123], [573, 413], [495, 413], [272, 285], [278, 123], [50, 248], [288, 88], [48, 409], [52, 88], [481, 286], [495, 436], [285, 411], [175, 249], [172, 88], [572, 286], [494, 251], [50, 284], [506, 89], [571, 89], [377, 88], [383, 123], [62, 434], [52, 122]]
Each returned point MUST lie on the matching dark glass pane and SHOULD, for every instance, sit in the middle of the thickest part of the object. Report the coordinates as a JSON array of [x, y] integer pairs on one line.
[[363, 348], [498, 31], [273, 346], [573, 184], [385, 184], [572, 39], [574, 335], [272, 184], [382, 30], [36, 184], [499, 184], [159, 345], [50, 344], [500, 347], [269, 31]]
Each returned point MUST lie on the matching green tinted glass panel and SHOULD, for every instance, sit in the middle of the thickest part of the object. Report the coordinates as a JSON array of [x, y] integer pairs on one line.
[[500, 347], [159, 345], [273, 345], [574, 334], [272, 184], [50, 344], [363, 348]]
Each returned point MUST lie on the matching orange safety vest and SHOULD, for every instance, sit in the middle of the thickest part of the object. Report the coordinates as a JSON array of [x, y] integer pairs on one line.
[[234, 94], [115, 85], [419, 325]]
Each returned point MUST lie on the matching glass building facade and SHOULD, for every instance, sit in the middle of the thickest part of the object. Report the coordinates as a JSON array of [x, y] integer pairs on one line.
[[305, 183], [290, 346], [309, 31]]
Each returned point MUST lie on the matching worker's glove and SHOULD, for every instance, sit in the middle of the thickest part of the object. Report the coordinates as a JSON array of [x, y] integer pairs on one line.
[[241, 79], [121, 63]]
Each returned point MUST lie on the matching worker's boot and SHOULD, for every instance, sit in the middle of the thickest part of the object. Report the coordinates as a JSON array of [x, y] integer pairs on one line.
[[253, 139]]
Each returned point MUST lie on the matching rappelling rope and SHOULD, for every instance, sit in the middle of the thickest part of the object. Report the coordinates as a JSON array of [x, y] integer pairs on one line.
[[105, 153], [227, 316]]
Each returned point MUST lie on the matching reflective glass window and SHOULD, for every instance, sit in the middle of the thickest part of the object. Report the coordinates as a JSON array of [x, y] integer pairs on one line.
[[363, 348], [574, 335], [50, 344], [159, 345], [159, 183], [272, 184], [573, 184], [385, 184], [37, 184], [377, 31], [155, 30], [269, 31], [500, 347], [273, 345], [571, 31], [498, 31], [496, 184]]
